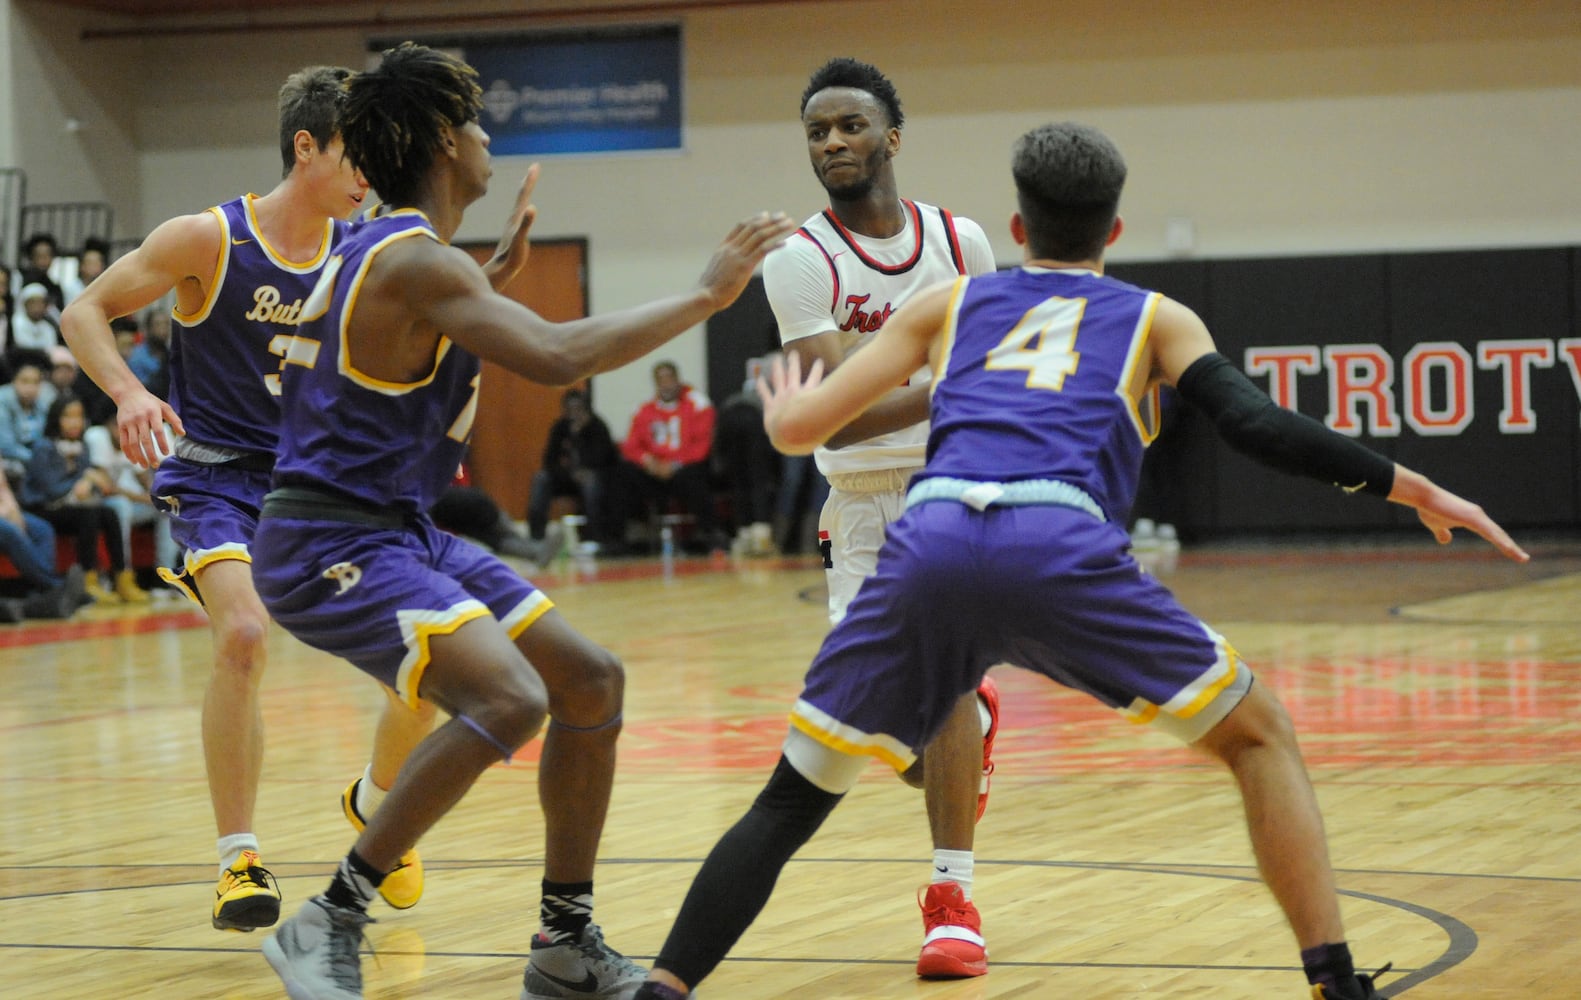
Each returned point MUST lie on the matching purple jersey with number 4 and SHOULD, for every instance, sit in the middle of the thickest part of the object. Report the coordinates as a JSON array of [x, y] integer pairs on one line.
[[1033, 383], [1013, 548]]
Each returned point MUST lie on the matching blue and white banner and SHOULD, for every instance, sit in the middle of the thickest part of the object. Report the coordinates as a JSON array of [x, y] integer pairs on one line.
[[587, 90]]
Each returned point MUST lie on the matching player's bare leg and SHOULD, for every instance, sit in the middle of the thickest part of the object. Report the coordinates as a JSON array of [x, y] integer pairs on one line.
[[953, 946], [576, 773], [233, 742], [400, 729], [496, 703], [1258, 743]]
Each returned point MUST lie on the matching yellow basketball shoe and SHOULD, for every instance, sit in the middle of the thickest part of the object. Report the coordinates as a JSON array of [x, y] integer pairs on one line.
[[246, 897], [403, 887]]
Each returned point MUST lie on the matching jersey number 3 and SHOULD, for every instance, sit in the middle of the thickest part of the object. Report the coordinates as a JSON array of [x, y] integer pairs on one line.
[[1043, 344]]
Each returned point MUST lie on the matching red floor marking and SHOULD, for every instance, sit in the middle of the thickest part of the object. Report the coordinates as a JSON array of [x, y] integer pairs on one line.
[[67, 631], [1359, 713]]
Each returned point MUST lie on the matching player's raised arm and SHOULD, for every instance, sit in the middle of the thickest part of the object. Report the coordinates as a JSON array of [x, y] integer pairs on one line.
[[510, 256]]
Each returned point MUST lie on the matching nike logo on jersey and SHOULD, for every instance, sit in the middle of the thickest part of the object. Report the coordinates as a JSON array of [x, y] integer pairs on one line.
[[237, 243], [589, 983]]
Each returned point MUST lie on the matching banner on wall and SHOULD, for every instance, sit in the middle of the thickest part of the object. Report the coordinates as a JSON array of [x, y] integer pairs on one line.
[[585, 90]]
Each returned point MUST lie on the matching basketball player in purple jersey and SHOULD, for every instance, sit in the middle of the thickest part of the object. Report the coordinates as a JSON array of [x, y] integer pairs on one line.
[[1013, 548], [832, 289], [240, 272], [380, 386]]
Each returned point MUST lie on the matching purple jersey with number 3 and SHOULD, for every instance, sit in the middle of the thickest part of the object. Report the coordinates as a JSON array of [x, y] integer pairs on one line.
[[225, 358]]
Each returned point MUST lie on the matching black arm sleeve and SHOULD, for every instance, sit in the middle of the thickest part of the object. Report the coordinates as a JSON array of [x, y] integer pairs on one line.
[[1258, 427]]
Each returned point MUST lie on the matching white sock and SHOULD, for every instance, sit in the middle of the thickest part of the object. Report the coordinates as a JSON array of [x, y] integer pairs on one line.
[[954, 866], [231, 847], [369, 795]]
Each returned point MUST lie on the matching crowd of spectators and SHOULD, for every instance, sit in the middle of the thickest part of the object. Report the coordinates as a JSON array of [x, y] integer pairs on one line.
[[64, 473]]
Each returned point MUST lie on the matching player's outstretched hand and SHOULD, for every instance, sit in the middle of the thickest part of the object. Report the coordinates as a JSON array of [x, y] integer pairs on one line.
[[510, 256], [141, 418], [783, 385], [1442, 511], [744, 248]]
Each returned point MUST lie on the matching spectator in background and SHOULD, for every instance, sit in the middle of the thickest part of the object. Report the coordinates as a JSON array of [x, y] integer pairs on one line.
[[63, 370], [127, 494], [24, 407], [33, 326], [576, 463], [7, 306], [748, 464], [665, 456], [150, 357], [64, 489], [29, 542], [466, 510], [95, 257], [37, 267], [101, 408]]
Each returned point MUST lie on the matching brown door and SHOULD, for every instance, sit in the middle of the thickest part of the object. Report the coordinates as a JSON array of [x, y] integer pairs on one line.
[[514, 414]]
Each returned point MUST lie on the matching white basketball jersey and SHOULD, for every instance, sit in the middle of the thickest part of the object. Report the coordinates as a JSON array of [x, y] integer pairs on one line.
[[829, 278]]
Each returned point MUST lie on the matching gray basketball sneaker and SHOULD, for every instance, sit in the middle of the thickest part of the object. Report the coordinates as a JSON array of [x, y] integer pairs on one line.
[[315, 953], [587, 969]]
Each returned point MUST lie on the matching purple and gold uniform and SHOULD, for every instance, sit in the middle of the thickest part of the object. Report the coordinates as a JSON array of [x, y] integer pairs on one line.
[[1012, 548], [348, 560], [225, 363]]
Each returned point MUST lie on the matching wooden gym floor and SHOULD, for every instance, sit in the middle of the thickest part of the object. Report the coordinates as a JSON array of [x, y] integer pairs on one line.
[[1437, 691]]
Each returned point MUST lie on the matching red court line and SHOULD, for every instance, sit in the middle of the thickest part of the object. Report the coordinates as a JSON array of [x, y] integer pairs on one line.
[[68, 631]]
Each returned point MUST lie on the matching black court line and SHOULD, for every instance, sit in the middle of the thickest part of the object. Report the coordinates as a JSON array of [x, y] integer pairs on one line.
[[1462, 938]]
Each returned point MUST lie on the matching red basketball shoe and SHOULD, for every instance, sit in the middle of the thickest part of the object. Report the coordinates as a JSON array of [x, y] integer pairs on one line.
[[953, 947], [988, 691]]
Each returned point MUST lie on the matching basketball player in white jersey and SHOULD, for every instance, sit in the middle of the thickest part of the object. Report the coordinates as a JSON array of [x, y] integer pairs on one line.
[[831, 287]]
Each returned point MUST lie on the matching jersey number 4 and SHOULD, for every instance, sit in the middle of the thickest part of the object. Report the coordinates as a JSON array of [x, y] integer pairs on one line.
[[1043, 344]]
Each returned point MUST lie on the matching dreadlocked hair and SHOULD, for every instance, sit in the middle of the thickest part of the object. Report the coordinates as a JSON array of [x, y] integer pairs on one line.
[[394, 116]]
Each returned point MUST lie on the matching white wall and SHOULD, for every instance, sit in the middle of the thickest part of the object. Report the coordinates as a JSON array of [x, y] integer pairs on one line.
[[7, 121], [71, 111], [1274, 128]]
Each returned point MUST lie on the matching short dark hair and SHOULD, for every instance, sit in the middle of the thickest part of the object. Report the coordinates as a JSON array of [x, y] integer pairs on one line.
[[52, 418], [394, 116], [96, 243], [672, 366], [310, 100], [29, 357], [1068, 183], [40, 239], [858, 75]]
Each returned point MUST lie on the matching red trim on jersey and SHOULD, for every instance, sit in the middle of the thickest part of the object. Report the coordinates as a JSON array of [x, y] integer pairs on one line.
[[954, 241], [902, 268], [834, 276]]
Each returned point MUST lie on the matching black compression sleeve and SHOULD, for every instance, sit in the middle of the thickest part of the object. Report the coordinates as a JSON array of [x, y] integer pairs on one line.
[[1257, 426], [735, 881]]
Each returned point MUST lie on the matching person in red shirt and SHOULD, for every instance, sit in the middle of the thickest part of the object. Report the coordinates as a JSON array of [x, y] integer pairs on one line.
[[664, 457]]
